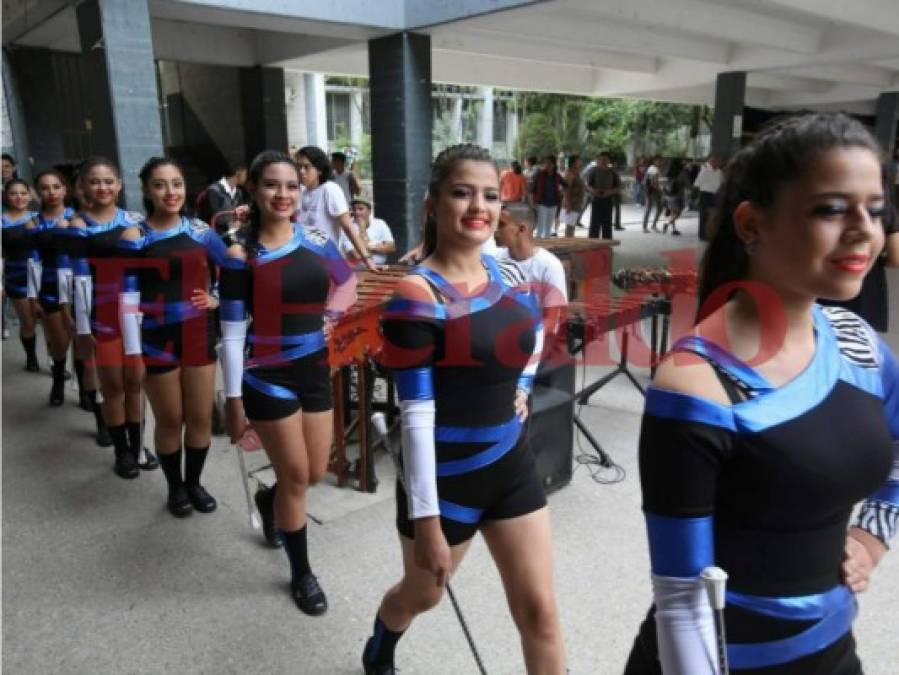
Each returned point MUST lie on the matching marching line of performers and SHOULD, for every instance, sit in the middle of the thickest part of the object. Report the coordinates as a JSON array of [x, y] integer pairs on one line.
[[761, 431]]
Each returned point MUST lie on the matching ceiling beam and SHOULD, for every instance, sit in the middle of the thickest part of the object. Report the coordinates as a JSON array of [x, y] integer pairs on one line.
[[849, 73], [836, 94], [879, 15], [478, 42], [779, 82], [710, 20], [581, 28]]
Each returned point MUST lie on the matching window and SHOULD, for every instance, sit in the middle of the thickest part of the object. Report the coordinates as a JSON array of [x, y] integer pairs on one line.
[[338, 112]]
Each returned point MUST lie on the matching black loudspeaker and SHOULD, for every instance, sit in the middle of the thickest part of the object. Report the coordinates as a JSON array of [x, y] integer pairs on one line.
[[551, 425]]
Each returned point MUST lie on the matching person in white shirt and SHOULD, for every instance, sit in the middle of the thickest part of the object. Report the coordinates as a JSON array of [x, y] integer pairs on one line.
[[542, 270], [323, 205], [376, 233], [343, 176], [708, 180]]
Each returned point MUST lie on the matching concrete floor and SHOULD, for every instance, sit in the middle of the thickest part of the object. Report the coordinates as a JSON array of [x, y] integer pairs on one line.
[[98, 578]]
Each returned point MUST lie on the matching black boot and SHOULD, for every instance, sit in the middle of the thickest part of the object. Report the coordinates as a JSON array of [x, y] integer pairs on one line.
[[377, 657], [30, 354], [195, 458], [178, 501], [265, 503], [304, 587], [83, 399], [104, 440], [57, 391], [134, 441], [125, 466]]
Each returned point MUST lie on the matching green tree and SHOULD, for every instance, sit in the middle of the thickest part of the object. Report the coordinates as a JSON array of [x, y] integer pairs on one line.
[[537, 136]]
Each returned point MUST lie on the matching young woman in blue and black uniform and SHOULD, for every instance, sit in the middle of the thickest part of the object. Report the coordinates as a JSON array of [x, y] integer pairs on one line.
[[18, 250], [179, 259], [463, 343], [293, 282], [767, 426], [56, 273], [98, 283]]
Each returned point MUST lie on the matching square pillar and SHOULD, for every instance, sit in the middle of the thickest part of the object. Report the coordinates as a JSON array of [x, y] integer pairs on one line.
[[887, 119], [264, 110], [485, 126], [14, 122], [120, 86], [400, 84], [316, 110], [727, 127]]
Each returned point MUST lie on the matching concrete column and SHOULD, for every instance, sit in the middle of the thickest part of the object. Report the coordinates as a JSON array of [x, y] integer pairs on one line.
[[264, 110], [727, 127], [511, 130], [887, 118], [456, 119], [15, 136], [295, 108], [316, 111], [121, 79], [356, 117], [400, 86], [485, 126]]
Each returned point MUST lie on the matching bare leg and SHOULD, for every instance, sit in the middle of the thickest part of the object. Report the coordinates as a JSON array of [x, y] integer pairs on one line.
[[522, 549]]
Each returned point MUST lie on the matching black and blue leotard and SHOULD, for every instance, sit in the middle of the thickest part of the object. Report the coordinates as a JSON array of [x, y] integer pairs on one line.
[[764, 489], [458, 362], [56, 275], [175, 262], [98, 266], [286, 291], [18, 248]]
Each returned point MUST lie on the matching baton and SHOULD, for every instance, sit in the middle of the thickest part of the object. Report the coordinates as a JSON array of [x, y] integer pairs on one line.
[[715, 581], [249, 442]]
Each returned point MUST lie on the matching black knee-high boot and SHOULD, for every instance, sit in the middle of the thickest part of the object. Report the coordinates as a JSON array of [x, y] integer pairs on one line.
[[194, 460], [29, 344], [134, 440], [125, 466], [265, 503], [57, 391], [104, 440], [377, 657], [304, 587], [178, 501], [83, 400]]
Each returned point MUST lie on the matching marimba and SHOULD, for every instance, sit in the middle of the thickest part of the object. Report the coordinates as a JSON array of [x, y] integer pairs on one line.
[[583, 259], [353, 342]]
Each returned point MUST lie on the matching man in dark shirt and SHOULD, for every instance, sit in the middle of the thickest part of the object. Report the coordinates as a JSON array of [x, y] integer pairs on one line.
[[547, 193], [225, 195], [603, 183]]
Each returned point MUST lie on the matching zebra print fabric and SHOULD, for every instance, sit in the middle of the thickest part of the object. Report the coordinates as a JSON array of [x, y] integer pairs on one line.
[[855, 339]]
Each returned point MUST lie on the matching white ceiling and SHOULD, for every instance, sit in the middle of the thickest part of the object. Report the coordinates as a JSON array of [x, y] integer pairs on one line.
[[798, 53], [808, 53]]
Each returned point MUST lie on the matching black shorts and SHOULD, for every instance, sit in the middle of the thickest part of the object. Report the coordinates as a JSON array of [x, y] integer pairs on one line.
[[839, 658], [49, 293], [169, 347], [507, 488], [303, 383], [15, 279]]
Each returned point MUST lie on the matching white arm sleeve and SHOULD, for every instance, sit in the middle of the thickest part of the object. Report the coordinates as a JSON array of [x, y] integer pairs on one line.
[[234, 336], [33, 285], [64, 285], [685, 627], [84, 291], [129, 321], [419, 459]]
